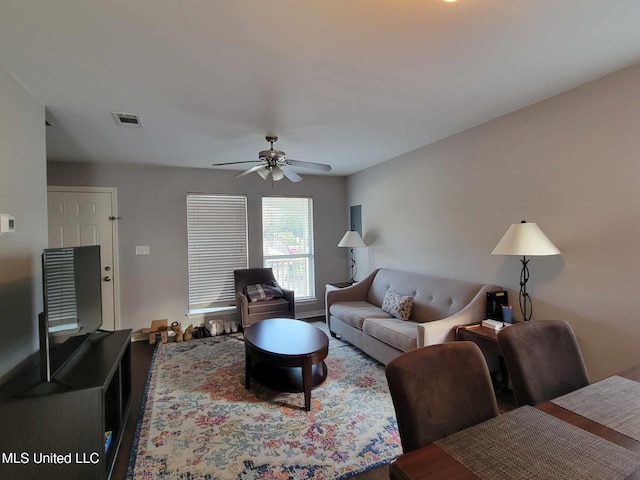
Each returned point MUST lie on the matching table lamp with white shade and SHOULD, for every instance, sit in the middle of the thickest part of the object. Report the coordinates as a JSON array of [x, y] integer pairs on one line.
[[526, 240], [351, 240]]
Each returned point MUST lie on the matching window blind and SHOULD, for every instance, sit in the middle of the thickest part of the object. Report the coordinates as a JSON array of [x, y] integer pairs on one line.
[[287, 242], [217, 245]]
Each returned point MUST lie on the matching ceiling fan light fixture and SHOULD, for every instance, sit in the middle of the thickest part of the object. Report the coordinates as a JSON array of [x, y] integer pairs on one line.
[[277, 173], [264, 172]]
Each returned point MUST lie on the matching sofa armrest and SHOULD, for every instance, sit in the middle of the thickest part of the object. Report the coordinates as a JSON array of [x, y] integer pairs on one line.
[[443, 330], [357, 291]]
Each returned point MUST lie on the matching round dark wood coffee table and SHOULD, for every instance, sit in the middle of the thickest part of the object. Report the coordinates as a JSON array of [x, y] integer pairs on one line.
[[286, 355]]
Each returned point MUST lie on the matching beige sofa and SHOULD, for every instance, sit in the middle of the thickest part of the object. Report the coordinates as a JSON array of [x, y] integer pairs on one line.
[[354, 313]]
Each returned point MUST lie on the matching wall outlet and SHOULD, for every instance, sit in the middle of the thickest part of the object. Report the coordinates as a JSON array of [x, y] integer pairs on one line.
[[143, 250]]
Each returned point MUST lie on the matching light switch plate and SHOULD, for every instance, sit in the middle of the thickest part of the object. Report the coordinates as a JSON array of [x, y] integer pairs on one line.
[[143, 250], [7, 224]]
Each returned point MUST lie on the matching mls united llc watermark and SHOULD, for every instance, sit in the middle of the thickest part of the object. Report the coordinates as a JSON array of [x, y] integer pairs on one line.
[[38, 458]]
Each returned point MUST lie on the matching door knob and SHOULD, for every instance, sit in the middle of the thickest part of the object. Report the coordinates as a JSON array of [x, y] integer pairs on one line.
[[107, 279]]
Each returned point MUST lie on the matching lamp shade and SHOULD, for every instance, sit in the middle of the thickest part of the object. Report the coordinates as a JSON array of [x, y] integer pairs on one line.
[[351, 239], [525, 239]]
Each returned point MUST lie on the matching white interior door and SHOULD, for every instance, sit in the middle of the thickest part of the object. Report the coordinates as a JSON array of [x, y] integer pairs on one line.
[[80, 216]]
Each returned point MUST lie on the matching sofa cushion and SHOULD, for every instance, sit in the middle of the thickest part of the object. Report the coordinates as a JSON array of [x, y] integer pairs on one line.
[[398, 333], [396, 305], [266, 306], [354, 313]]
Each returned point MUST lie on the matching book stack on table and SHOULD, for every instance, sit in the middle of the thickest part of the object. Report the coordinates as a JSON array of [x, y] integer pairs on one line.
[[494, 324]]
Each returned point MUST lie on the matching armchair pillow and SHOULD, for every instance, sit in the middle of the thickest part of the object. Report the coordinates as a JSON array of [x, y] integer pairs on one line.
[[263, 291], [397, 305]]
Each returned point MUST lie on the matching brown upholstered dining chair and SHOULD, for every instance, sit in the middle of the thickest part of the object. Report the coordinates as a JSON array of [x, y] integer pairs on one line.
[[251, 312], [439, 390], [544, 360]]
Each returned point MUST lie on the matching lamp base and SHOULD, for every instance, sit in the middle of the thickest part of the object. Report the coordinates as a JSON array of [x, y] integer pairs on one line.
[[352, 270], [526, 307]]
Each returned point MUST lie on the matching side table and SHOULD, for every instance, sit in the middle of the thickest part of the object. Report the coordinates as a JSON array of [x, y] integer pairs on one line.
[[487, 340]]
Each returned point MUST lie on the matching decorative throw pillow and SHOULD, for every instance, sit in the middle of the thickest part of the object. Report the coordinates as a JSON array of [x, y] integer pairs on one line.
[[397, 305], [263, 291]]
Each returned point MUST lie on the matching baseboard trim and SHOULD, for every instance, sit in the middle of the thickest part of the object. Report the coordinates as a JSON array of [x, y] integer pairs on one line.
[[312, 313]]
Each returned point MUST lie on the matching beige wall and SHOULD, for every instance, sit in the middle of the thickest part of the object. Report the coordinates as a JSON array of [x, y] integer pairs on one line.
[[570, 164], [23, 195], [152, 204]]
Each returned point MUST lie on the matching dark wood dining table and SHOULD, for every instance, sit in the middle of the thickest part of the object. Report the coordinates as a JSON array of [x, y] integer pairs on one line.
[[433, 463]]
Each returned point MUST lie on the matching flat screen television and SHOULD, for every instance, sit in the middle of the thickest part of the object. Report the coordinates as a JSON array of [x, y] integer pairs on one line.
[[72, 287]]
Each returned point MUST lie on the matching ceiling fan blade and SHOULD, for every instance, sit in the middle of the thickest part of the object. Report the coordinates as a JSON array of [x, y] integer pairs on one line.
[[290, 174], [234, 163], [315, 166], [251, 170]]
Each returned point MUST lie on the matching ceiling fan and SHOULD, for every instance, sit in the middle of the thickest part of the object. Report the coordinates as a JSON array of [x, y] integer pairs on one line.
[[276, 163]]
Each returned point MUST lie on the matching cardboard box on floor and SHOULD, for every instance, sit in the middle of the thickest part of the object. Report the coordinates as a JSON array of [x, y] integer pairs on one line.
[[160, 327]]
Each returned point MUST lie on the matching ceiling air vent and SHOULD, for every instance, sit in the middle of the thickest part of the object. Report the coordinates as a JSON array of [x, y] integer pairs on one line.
[[128, 119]]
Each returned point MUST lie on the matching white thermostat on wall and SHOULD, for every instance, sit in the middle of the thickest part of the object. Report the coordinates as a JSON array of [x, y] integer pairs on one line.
[[7, 224]]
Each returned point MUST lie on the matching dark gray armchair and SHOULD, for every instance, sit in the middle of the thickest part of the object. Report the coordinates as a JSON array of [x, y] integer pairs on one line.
[[252, 312], [544, 360]]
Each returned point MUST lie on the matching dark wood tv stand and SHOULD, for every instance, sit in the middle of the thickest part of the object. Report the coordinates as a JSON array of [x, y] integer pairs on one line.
[[57, 430]]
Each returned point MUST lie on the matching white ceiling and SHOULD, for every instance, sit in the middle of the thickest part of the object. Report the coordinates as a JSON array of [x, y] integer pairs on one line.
[[351, 83]]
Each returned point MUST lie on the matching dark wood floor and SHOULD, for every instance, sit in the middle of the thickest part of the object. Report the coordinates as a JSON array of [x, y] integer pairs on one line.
[[141, 356]]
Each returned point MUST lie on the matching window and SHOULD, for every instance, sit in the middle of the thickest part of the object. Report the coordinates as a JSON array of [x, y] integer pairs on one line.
[[287, 242], [217, 245]]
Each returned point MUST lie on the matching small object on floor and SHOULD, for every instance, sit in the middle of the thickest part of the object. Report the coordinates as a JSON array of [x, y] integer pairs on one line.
[[213, 327], [188, 333], [202, 331], [157, 326], [177, 329]]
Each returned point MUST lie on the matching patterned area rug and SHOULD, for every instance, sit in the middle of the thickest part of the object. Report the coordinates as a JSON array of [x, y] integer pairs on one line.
[[199, 422]]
